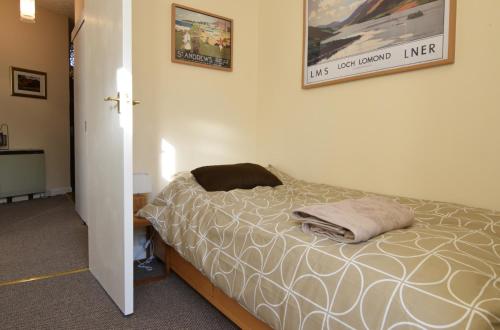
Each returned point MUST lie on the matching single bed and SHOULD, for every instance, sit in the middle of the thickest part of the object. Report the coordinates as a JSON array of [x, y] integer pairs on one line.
[[442, 273]]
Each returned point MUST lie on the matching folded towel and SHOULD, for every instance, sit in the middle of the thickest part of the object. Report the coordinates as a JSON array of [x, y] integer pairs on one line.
[[354, 220]]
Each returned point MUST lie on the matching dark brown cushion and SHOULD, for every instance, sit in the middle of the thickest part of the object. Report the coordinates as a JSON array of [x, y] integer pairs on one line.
[[237, 176]]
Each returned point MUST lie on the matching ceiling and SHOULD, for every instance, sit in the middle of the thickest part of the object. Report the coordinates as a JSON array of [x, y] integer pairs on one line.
[[63, 7]]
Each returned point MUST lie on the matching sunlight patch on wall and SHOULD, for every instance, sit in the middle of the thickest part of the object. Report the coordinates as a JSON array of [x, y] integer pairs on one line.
[[168, 154]]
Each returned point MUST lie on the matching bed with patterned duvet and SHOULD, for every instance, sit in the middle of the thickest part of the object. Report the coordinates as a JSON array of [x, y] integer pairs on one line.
[[441, 273]]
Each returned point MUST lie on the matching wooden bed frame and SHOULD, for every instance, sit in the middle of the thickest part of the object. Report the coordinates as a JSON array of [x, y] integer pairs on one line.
[[226, 305]]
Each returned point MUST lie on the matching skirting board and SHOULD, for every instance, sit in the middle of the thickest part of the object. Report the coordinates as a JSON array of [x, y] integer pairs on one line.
[[49, 193], [58, 191]]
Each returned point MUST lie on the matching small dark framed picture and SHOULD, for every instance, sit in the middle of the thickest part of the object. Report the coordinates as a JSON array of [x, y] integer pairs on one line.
[[202, 39], [28, 83]]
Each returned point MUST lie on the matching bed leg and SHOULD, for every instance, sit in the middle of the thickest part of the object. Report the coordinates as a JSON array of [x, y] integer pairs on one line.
[[167, 260]]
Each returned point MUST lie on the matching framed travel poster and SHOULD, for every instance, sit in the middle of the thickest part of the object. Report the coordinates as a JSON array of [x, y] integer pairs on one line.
[[202, 39], [28, 83], [346, 40]]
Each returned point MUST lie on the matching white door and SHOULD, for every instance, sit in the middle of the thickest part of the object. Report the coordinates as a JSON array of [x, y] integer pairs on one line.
[[106, 65], [81, 152]]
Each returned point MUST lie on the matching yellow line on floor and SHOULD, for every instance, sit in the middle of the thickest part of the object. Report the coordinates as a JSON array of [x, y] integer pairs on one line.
[[43, 277]]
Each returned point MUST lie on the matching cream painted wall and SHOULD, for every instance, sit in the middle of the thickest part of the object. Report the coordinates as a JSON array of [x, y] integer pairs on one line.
[[35, 123], [192, 116], [431, 133], [428, 134]]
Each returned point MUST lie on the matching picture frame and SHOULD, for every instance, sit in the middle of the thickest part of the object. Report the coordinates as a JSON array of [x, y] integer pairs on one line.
[[28, 83], [349, 40], [201, 38]]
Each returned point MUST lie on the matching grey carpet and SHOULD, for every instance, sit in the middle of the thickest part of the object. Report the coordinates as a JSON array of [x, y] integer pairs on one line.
[[40, 237], [78, 302], [46, 236]]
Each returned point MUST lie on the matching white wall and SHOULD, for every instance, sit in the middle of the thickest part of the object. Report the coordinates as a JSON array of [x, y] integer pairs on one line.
[[192, 116], [430, 133], [37, 123]]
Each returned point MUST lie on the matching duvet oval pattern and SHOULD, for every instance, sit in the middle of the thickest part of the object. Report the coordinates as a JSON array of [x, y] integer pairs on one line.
[[442, 273]]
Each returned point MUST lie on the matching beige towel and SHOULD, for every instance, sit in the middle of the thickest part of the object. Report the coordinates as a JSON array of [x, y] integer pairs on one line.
[[355, 220]]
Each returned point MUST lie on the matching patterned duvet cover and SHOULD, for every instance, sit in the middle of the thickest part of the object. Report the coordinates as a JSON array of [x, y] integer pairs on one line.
[[442, 273]]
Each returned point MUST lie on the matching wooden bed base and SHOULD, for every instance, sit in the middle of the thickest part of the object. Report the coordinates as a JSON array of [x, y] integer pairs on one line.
[[226, 305]]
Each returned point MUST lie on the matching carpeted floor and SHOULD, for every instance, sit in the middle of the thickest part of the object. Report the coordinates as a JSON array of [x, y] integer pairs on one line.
[[79, 302], [46, 236], [40, 237]]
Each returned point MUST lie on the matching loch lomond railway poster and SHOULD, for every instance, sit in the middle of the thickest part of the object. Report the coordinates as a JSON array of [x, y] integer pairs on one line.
[[346, 40], [202, 39]]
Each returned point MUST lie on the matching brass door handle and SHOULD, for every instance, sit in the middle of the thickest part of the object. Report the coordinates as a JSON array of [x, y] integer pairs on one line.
[[109, 98], [114, 99], [117, 100]]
